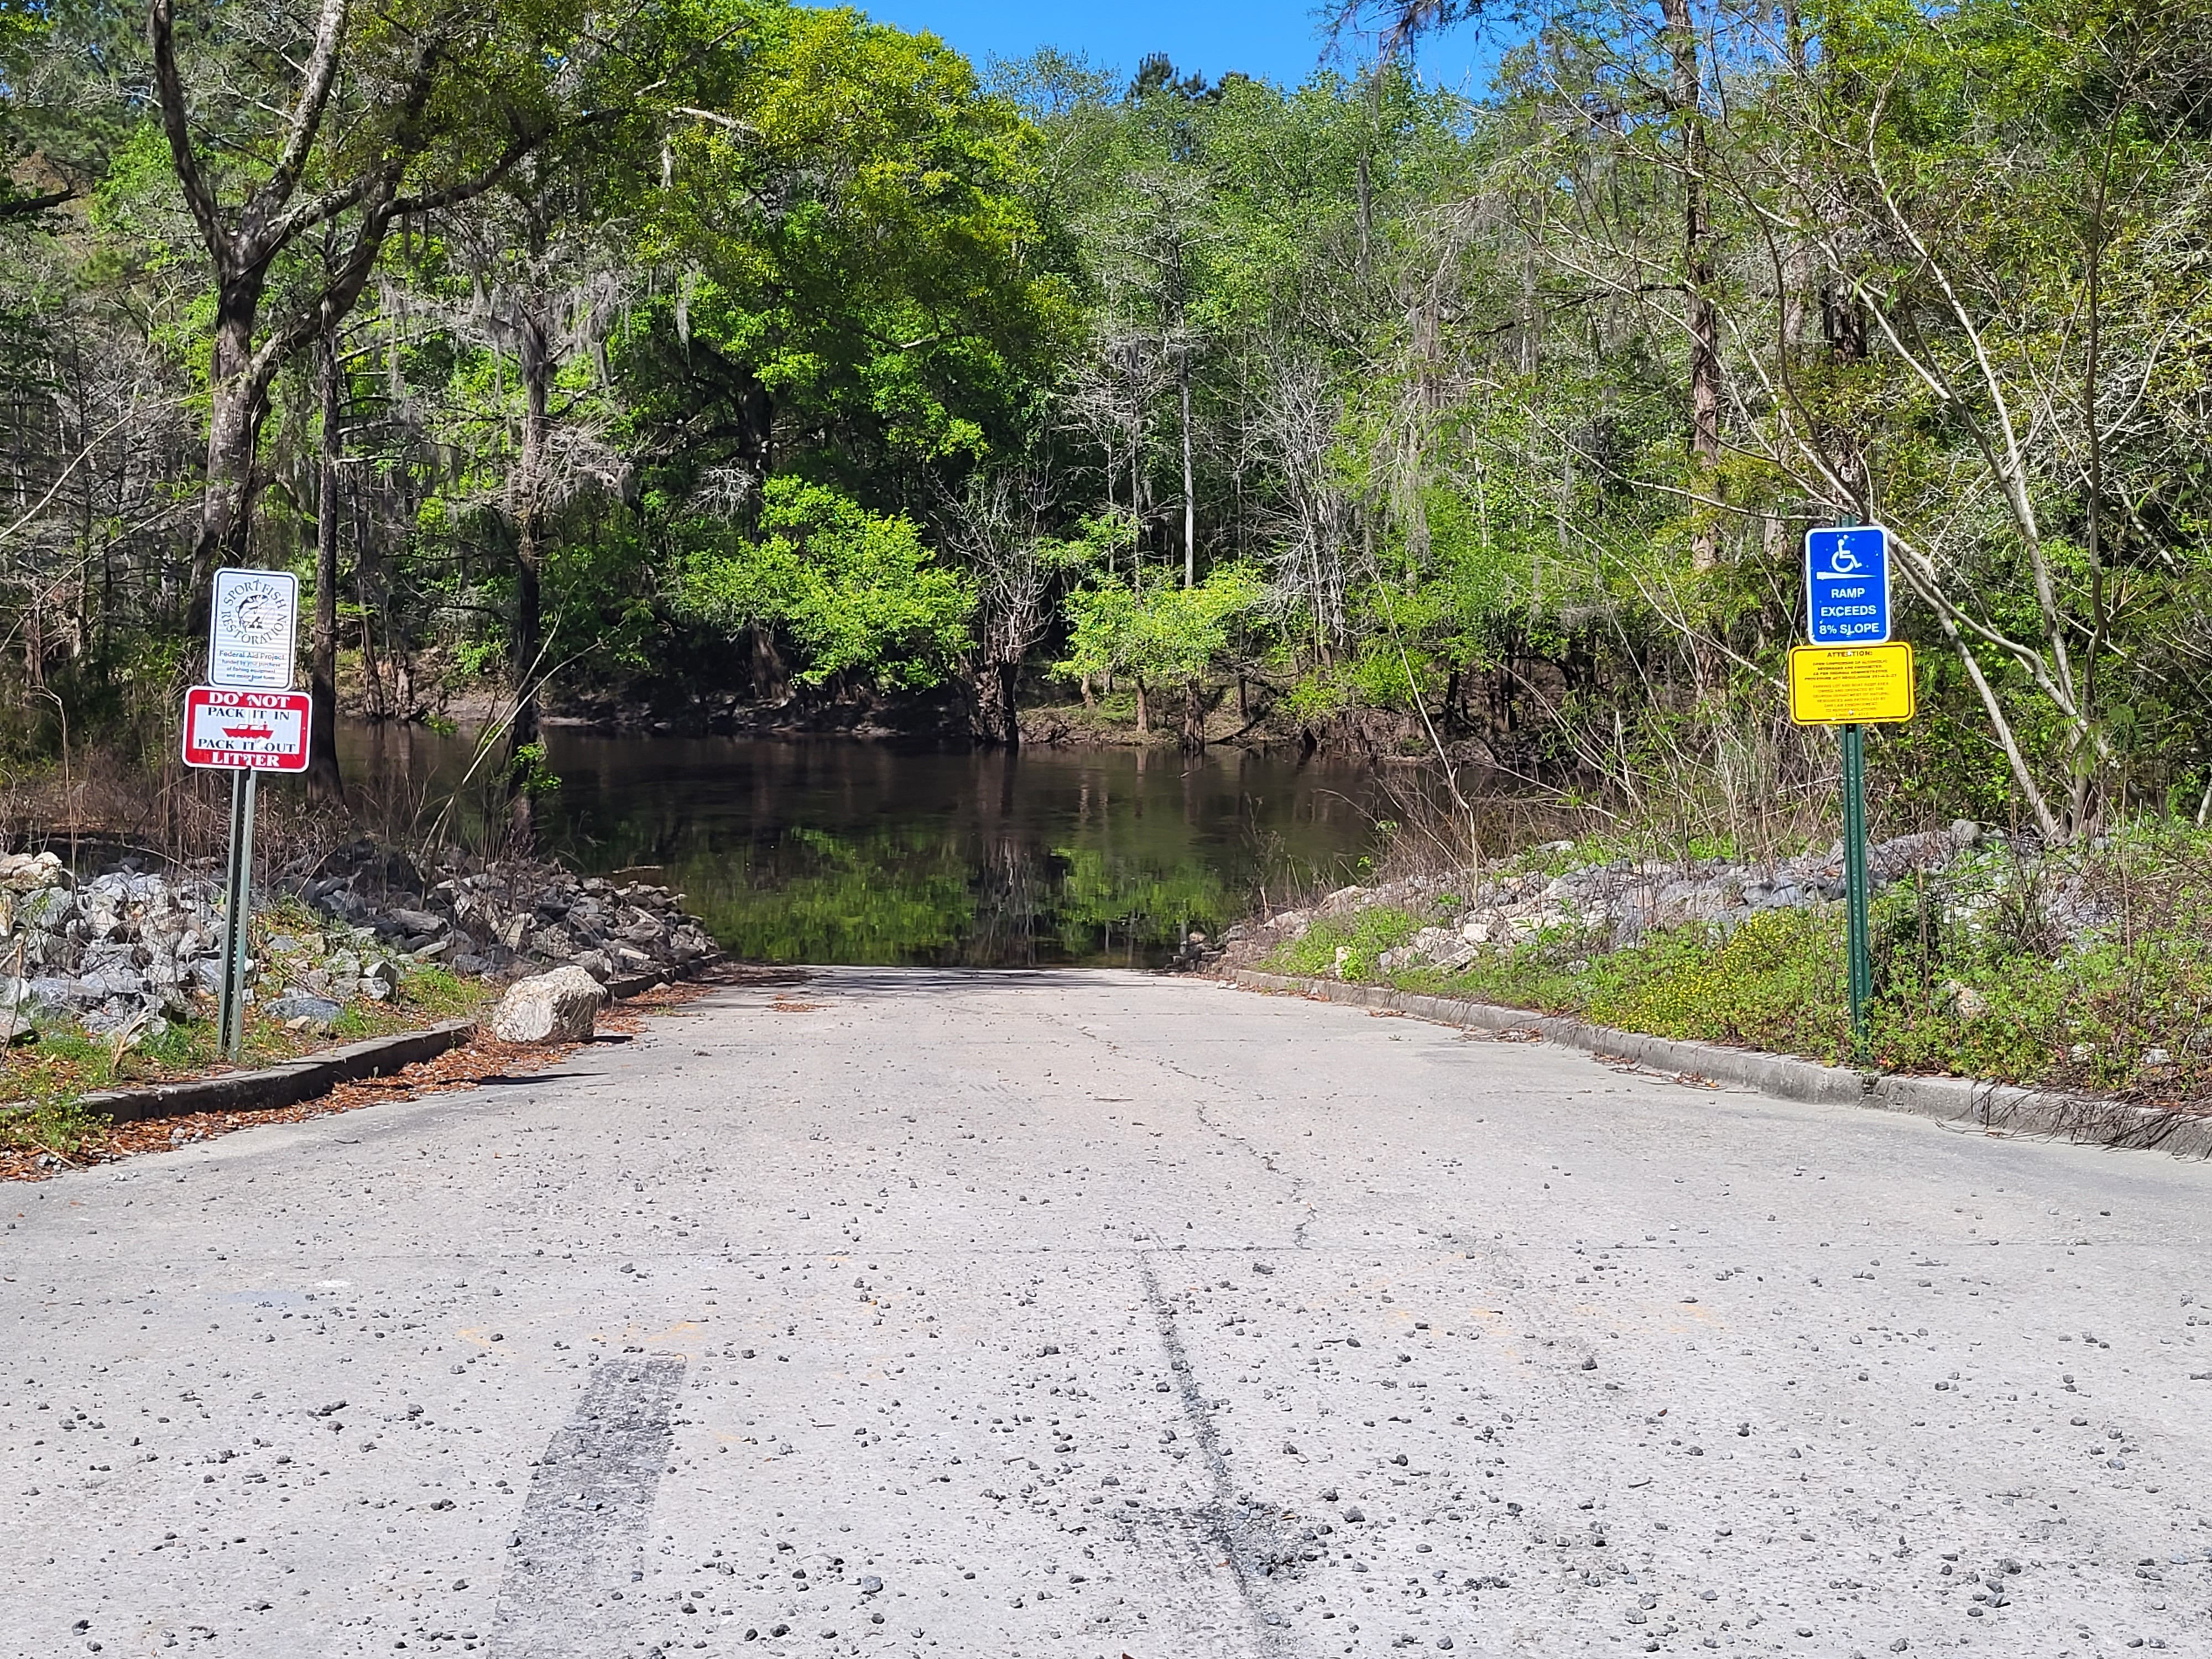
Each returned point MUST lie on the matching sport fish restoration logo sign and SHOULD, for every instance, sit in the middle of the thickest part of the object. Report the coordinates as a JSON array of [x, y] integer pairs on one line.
[[246, 731], [251, 626]]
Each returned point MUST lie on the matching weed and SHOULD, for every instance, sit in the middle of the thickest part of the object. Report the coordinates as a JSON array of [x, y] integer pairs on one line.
[[2083, 968], [59, 1124], [440, 990], [1364, 936], [41, 1090]]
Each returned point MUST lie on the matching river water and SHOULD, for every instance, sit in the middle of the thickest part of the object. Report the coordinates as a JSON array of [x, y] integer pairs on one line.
[[845, 850]]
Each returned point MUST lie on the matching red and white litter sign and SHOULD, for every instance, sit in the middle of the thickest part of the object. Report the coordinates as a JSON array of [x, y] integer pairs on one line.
[[246, 731]]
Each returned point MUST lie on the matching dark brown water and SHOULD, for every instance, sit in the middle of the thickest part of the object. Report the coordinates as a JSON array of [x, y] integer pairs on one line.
[[838, 850]]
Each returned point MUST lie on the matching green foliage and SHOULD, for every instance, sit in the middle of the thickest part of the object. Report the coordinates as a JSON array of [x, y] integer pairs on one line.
[[1173, 634], [41, 1090], [54, 1123], [858, 591], [530, 773], [854, 210], [438, 990], [1363, 936], [1773, 983]]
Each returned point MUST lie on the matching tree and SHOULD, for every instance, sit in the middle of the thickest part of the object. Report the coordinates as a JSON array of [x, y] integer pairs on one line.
[[851, 255], [998, 530], [29, 122], [324, 780], [1181, 636], [538, 261], [382, 118], [861, 596]]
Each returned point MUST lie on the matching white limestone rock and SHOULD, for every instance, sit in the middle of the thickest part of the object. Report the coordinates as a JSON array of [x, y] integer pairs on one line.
[[556, 1007]]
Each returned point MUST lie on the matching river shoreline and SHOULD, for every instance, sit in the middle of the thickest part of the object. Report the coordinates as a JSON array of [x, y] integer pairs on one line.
[[1107, 720]]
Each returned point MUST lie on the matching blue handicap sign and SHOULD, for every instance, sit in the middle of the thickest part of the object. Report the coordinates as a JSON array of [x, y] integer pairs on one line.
[[1847, 586]]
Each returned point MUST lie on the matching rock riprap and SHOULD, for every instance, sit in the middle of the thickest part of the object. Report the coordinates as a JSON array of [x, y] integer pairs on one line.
[[139, 948], [1611, 906], [556, 1007]]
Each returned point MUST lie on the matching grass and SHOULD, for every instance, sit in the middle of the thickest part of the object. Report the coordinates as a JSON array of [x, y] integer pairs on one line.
[[1362, 936], [43, 1083], [1974, 976], [1766, 985]]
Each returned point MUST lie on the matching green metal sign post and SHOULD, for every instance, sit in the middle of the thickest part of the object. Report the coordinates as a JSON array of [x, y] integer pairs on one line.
[[237, 914], [1861, 957], [1847, 675]]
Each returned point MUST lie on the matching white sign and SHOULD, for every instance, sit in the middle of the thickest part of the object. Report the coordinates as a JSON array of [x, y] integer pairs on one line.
[[252, 628]]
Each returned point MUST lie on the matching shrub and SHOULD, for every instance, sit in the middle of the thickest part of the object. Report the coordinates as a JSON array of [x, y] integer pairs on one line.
[[1365, 934]]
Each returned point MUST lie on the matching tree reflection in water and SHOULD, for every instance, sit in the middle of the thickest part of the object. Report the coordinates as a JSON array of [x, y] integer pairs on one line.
[[834, 850]]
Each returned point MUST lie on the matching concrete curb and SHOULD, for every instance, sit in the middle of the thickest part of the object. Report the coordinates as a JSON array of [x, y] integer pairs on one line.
[[318, 1074], [626, 986], [1996, 1107], [282, 1085]]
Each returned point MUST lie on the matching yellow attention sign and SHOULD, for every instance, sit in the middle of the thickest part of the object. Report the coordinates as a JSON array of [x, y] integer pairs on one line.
[[1851, 685]]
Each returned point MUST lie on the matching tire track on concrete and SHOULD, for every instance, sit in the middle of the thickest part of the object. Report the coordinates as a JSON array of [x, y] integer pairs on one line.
[[1234, 1526], [580, 1545]]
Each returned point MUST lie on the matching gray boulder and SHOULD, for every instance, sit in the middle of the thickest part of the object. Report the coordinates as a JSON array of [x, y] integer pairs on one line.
[[318, 1011], [63, 994], [26, 872], [560, 1006]]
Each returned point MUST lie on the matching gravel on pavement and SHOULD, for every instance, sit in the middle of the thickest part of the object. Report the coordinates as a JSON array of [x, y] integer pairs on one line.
[[1095, 1314]]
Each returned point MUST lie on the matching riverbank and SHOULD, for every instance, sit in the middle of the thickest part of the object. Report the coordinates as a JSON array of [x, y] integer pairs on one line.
[[1052, 714], [1109, 719], [111, 980], [2086, 970]]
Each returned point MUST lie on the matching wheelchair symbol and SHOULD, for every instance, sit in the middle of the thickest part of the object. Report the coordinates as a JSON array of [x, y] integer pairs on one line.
[[1842, 562]]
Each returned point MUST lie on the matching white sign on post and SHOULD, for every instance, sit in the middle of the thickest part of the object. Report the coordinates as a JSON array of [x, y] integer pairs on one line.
[[252, 629]]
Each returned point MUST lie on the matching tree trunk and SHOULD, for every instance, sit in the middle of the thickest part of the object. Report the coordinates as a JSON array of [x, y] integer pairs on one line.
[[1009, 702], [374, 702], [1190, 483], [1194, 717], [1366, 205], [238, 400], [325, 783], [528, 484], [769, 680], [998, 723], [1144, 713], [1684, 93]]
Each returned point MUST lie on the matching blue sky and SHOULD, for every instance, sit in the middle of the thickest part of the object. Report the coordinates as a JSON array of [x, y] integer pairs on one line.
[[1279, 40]]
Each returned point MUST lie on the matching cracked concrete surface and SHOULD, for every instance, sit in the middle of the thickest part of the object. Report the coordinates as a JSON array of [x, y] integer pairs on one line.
[[1098, 1314]]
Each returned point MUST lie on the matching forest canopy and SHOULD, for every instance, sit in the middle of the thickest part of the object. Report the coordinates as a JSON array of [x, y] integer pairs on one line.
[[711, 357]]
